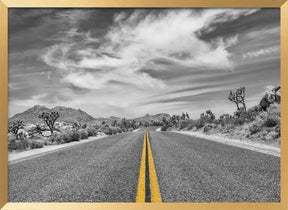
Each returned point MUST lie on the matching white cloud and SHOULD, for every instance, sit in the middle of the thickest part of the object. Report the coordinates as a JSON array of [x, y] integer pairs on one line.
[[133, 41], [73, 17], [151, 36], [100, 80], [262, 52]]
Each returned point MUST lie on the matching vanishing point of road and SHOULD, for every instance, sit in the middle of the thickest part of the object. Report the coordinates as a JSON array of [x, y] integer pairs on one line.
[[147, 166]]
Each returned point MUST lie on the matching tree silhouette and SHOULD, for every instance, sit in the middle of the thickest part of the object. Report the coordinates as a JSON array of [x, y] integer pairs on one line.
[[208, 116], [50, 119], [183, 116], [238, 97], [15, 126]]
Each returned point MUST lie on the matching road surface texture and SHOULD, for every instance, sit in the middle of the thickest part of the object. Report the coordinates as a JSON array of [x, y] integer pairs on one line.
[[106, 170], [147, 167], [197, 170]]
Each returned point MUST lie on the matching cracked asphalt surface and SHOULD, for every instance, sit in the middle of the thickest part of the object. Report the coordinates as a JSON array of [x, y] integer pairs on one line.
[[107, 170]]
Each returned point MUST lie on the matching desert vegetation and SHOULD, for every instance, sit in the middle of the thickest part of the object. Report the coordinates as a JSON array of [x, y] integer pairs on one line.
[[260, 123], [57, 125], [51, 130]]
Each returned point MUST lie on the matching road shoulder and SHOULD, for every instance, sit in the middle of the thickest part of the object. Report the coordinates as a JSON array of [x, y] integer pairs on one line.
[[28, 154], [257, 147]]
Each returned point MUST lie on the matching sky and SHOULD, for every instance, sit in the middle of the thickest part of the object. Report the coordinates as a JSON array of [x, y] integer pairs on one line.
[[132, 62]]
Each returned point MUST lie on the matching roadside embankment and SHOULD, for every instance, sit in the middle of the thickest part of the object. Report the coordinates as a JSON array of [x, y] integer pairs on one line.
[[258, 147]]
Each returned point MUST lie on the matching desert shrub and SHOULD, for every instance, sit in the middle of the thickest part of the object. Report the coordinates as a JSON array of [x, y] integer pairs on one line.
[[12, 138], [130, 129], [253, 112], [224, 119], [107, 130], [19, 145], [230, 127], [273, 116], [278, 130], [119, 130], [241, 116], [254, 128], [158, 123], [22, 144], [191, 125], [275, 108], [272, 120], [123, 129], [207, 117], [199, 123], [46, 141], [83, 133], [164, 127], [238, 121], [73, 136], [114, 130], [35, 131], [272, 136], [262, 116], [12, 145], [207, 128], [64, 137], [36, 144], [91, 131], [55, 137], [186, 124], [183, 124]]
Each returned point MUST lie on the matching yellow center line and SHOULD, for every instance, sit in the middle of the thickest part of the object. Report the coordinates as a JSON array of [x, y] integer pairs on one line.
[[154, 187], [141, 182]]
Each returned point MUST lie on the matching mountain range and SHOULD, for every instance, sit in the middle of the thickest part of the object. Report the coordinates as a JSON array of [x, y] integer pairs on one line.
[[70, 115]]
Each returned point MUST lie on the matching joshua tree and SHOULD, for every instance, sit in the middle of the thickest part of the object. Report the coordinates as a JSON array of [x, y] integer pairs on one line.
[[50, 119], [114, 123], [15, 126], [183, 117], [164, 120], [124, 123], [133, 124], [238, 97], [208, 116]]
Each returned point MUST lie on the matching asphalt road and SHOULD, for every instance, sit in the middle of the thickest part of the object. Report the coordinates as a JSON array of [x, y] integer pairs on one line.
[[107, 170], [197, 170]]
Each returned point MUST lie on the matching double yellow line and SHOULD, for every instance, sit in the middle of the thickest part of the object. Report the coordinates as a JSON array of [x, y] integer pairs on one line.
[[154, 187]]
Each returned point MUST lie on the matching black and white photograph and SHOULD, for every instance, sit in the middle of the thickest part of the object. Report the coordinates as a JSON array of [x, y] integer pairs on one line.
[[144, 105]]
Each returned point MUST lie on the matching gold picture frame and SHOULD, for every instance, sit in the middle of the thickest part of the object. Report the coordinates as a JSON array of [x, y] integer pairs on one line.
[[5, 4]]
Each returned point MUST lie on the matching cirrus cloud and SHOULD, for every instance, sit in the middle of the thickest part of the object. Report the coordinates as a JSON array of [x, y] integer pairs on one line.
[[136, 40]]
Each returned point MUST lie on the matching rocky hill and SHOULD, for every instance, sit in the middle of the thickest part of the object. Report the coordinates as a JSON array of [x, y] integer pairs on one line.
[[153, 118], [70, 115], [67, 115]]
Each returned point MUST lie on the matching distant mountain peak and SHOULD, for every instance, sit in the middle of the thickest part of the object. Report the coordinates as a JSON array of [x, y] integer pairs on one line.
[[67, 114], [156, 117], [39, 107]]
